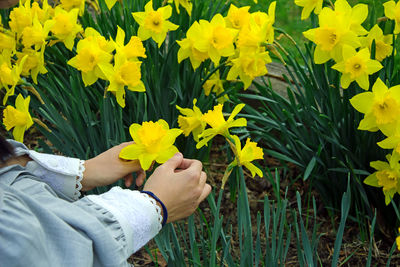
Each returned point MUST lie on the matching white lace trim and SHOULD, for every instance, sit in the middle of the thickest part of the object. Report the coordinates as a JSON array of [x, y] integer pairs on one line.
[[158, 209], [79, 178], [135, 211]]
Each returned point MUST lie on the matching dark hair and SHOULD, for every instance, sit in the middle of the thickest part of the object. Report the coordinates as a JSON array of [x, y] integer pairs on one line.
[[6, 150]]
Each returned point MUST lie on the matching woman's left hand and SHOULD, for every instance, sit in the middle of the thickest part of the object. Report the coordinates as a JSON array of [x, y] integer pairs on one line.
[[108, 168]]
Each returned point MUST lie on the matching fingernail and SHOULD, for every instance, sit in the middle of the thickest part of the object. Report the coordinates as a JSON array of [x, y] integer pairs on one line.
[[178, 154]]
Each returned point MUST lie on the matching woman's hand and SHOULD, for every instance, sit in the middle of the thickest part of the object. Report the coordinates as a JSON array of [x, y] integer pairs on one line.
[[108, 168], [180, 184]]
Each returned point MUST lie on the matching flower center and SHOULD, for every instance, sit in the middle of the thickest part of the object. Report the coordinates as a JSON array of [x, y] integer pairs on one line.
[[386, 111], [387, 179]]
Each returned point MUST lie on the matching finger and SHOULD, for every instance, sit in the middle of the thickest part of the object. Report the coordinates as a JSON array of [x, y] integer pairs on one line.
[[174, 162], [186, 163], [205, 193], [141, 175], [203, 179], [195, 166], [128, 180]]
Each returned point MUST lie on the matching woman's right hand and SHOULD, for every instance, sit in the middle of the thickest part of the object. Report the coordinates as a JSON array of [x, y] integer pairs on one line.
[[180, 184]]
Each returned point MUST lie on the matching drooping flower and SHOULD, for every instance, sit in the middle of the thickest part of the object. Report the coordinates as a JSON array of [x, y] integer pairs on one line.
[[132, 50], [187, 47], [309, 6], [66, 26], [216, 85], [154, 141], [191, 121], [215, 118], [247, 154], [237, 18], [154, 23], [383, 43], [392, 11], [186, 4], [381, 108], [250, 63], [124, 73], [18, 117], [387, 176], [215, 39], [93, 55], [356, 66]]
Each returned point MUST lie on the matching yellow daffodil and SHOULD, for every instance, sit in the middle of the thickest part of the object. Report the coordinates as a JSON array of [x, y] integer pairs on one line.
[[392, 11], [387, 176], [154, 141], [356, 66], [92, 57], [34, 63], [124, 73], [249, 153], [259, 30], [215, 118], [216, 85], [191, 121], [133, 49], [43, 13], [36, 34], [20, 17], [7, 42], [243, 157], [337, 28], [66, 26], [18, 117], [154, 23], [251, 63], [186, 4], [10, 74], [188, 50], [381, 108], [237, 18], [383, 43], [215, 39], [392, 141], [308, 6], [68, 5]]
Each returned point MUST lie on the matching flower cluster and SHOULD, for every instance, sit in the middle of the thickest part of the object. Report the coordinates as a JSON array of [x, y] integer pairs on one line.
[[241, 38], [195, 122], [341, 37], [32, 28], [94, 59]]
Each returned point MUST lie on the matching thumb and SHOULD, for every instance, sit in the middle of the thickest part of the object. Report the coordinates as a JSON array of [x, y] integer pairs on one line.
[[175, 161]]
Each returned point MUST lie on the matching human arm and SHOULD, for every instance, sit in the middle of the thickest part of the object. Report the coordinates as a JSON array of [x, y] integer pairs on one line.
[[179, 183]]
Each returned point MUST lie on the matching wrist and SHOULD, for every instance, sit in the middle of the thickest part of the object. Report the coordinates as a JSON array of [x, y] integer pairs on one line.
[[87, 177], [164, 212]]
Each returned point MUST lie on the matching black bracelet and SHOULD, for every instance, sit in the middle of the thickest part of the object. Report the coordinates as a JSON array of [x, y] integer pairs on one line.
[[164, 209]]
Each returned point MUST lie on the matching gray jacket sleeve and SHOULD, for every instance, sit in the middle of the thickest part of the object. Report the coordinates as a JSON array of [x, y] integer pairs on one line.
[[39, 229], [63, 174]]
